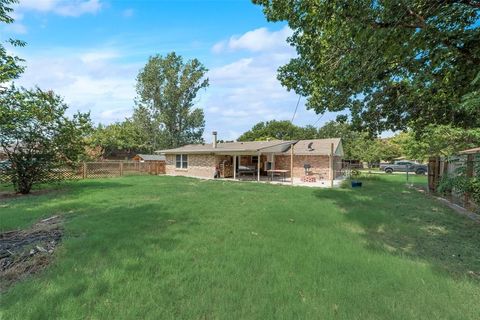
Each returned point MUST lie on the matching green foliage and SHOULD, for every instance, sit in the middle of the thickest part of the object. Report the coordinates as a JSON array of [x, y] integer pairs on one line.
[[358, 145], [471, 101], [10, 67], [435, 140], [124, 135], [278, 130], [37, 137], [167, 87], [393, 64], [459, 182]]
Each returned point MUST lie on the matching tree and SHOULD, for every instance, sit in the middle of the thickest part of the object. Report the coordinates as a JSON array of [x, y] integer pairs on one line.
[[345, 131], [389, 149], [124, 135], [10, 67], [393, 64], [471, 101], [167, 88], [438, 141], [37, 137], [278, 130]]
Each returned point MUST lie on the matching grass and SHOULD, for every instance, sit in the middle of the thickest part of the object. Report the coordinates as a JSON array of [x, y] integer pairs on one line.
[[179, 248]]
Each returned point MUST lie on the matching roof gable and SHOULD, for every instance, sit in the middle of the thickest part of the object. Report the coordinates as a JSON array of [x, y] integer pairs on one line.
[[318, 147]]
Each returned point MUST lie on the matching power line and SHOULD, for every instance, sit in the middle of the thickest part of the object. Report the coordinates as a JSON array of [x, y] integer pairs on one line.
[[313, 125], [296, 109]]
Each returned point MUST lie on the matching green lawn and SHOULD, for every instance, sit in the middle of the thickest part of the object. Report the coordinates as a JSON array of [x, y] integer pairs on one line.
[[177, 248]]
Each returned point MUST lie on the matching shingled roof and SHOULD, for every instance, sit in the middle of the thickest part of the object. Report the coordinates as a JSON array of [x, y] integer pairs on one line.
[[318, 147], [151, 157], [222, 147], [301, 147]]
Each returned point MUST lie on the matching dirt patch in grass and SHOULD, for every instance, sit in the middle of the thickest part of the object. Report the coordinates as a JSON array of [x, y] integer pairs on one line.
[[12, 194], [28, 251]]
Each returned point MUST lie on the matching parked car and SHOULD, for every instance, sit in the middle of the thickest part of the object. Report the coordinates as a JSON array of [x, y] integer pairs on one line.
[[404, 166]]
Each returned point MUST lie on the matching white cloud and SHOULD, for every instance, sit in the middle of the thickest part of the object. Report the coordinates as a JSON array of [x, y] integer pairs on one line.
[[71, 8], [247, 91], [242, 92], [257, 40], [96, 56], [88, 80], [16, 27]]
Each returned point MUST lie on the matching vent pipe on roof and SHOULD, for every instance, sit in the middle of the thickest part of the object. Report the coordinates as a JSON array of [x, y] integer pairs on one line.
[[214, 139]]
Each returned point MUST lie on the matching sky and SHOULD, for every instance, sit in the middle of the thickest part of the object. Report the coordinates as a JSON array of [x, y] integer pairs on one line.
[[90, 52]]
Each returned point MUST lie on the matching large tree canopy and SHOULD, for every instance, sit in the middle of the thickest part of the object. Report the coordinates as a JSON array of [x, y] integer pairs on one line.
[[167, 88], [393, 63], [278, 130]]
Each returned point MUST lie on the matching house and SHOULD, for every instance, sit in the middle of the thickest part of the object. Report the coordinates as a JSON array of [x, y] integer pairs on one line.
[[304, 160]]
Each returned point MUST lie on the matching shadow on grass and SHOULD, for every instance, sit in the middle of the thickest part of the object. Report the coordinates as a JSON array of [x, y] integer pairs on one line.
[[402, 221], [104, 249], [55, 188]]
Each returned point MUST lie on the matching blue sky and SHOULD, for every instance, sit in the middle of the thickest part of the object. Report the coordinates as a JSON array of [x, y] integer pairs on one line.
[[90, 51]]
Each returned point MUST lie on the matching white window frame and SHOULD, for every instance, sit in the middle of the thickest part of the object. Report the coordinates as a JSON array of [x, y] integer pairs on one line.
[[181, 161]]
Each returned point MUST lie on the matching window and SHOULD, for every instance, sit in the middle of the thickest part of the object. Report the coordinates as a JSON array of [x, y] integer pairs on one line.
[[181, 161], [254, 159]]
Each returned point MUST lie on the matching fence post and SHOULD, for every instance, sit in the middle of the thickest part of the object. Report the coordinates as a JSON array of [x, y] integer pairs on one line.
[[121, 168], [469, 175], [84, 170]]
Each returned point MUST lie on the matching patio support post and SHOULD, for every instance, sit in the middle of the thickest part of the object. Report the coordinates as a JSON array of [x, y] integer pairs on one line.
[[331, 173], [258, 167], [291, 163], [234, 167]]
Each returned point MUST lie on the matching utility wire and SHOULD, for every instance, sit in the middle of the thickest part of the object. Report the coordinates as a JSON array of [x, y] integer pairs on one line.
[[296, 109], [321, 116]]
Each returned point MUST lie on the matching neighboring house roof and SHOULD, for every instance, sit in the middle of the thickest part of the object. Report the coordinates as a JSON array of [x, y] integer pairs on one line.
[[470, 151], [318, 147], [151, 157]]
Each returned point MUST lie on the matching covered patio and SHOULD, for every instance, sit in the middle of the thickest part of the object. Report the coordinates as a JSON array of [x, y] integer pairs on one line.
[[256, 162], [272, 163], [315, 162]]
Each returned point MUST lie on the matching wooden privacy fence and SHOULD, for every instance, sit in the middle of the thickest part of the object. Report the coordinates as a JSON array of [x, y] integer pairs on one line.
[[92, 170], [439, 167]]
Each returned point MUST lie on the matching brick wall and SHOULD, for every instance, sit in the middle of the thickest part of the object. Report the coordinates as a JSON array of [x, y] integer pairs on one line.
[[199, 165], [204, 166], [319, 165]]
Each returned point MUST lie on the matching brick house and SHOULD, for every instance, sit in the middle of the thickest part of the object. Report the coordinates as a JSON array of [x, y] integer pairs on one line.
[[316, 159]]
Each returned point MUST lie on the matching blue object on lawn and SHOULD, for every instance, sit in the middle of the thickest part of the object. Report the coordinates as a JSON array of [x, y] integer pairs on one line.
[[356, 184]]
